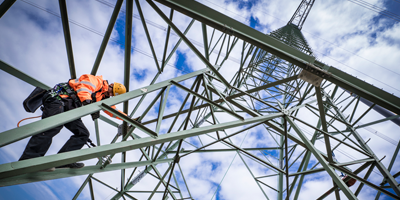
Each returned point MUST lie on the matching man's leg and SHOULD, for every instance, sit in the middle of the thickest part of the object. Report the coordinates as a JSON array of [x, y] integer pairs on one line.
[[40, 143], [81, 135], [75, 142]]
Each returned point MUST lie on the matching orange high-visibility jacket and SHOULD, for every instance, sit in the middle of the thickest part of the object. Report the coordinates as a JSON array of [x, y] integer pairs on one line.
[[88, 84]]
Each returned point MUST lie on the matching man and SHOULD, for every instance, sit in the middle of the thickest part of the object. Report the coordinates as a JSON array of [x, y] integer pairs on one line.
[[64, 97]]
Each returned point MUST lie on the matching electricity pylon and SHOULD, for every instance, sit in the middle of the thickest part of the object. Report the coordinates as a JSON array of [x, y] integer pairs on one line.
[[279, 87]]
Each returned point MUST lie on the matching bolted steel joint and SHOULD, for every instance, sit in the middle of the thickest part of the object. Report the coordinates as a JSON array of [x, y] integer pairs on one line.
[[285, 112], [228, 30], [317, 71], [177, 159]]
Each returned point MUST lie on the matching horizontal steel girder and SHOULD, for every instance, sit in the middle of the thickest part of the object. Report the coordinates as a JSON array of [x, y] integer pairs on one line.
[[13, 135], [226, 24], [129, 120], [65, 173], [5, 6], [239, 94], [41, 163], [21, 75]]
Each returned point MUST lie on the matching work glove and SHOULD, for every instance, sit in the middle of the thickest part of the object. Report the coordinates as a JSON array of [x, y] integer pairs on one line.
[[95, 115], [86, 102]]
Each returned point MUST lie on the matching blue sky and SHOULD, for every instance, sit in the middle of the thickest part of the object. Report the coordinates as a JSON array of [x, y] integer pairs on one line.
[[38, 35]]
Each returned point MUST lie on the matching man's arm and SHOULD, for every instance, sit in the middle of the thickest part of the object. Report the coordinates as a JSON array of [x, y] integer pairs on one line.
[[85, 86], [113, 116]]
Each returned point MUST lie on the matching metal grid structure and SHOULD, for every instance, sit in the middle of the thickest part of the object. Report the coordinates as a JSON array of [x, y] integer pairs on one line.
[[279, 88]]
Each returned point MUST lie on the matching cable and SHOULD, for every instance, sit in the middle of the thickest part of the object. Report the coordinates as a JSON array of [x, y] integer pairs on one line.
[[135, 16], [258, 8], [96, 32], [379, 134], [358, 71], [352, 53], [376, 9], [26, 119], [337, 149], [160, 27], [156, 25], [197, 43]]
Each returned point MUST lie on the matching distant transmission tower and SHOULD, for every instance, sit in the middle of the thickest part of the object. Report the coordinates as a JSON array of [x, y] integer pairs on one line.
[[306, 110]]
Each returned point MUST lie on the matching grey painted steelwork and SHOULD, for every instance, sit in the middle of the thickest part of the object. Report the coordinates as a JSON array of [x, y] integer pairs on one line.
[[273, 46], [21, 75], [106, 37], [300, 16], [67, 37], [265, 94], [5, 6]]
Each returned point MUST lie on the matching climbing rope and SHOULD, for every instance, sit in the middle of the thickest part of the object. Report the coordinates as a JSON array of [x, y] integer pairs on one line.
[[27, 118]]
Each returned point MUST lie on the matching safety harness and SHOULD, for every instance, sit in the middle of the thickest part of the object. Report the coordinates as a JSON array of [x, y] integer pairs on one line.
[[94, 99], [351, 181], [65, 89]]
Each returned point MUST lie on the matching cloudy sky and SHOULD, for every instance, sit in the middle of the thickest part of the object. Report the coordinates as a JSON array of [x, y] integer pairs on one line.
[[341, 33]]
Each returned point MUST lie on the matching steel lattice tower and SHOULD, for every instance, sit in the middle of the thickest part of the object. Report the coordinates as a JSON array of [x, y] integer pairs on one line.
[[279, 88]]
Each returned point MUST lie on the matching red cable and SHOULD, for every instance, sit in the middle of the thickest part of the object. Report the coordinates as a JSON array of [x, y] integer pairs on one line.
[[27, 118]]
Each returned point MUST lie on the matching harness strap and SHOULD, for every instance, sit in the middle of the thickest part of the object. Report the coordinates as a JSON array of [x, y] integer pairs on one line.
[[72, 94], [94, 99], [334, 158]]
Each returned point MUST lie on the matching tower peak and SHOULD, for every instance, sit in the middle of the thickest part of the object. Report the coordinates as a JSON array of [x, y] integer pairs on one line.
[[300, 16]]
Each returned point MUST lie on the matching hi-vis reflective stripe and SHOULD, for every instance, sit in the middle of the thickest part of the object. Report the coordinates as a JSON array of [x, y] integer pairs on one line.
[[84, 89], [85, 82], [113, 116]]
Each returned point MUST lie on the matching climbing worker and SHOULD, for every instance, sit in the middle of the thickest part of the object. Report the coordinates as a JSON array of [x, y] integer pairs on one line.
[[67, 96], [350, 182]]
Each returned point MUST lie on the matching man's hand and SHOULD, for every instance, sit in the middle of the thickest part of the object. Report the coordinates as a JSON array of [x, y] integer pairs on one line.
[[95, 115], [86, 102]]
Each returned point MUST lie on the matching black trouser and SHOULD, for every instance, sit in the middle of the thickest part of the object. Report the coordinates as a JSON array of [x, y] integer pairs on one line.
[[40, 143]]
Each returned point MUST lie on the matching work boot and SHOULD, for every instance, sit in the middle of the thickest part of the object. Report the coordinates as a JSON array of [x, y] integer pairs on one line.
[[72, 165], [49, 170]]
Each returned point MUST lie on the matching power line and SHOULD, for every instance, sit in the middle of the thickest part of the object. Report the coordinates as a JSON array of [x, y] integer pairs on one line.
[[376, 9], [353, 53], [337, 149], [359, 71], [258, 8], [162, 28], [159, 26], [379, 134], [116, 41], [96, 32]]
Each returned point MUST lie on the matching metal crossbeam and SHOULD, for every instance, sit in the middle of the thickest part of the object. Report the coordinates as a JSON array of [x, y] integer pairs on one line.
[[22, 76], [5, 6], [26, 166], [67, 37], [16, 134], [223, 23], [65, 173]]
